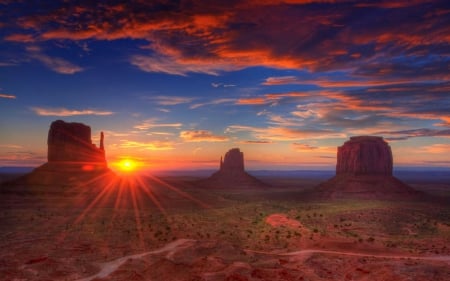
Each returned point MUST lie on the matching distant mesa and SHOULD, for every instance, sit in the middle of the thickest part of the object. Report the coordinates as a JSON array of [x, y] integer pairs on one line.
[[232, 173], [364, 170]]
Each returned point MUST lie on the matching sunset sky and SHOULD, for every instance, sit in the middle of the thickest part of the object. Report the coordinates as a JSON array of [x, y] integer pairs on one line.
[[176, 84]]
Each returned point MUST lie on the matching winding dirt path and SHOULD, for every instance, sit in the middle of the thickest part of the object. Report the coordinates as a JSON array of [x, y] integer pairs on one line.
[[109, 267], [303, 254], [171, 248]]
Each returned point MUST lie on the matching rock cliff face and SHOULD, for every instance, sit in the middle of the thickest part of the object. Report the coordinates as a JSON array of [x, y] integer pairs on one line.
[[364, 155], [71, 142], [73, 160], [232, 173], [364, 170], [233, 161]]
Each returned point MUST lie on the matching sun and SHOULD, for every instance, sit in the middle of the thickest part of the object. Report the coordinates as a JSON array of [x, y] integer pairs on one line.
[[127, 165]]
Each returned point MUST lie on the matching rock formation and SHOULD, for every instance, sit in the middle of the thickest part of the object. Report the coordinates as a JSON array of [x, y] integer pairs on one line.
[[233, 162], [232, 173], [72, 157], [71, 143], [364, 155], [364, 170]]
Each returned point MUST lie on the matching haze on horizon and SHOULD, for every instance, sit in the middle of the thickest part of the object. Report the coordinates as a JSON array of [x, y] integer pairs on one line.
[[177, 83]]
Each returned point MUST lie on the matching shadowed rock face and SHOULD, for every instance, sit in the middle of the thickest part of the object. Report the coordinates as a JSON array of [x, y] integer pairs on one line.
[[71, 142], [232, 174], [364, 170], [364, 155], [73, 160], [233, 161]]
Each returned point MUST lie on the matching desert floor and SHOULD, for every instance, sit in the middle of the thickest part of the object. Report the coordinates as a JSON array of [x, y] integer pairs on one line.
[[167, 228]]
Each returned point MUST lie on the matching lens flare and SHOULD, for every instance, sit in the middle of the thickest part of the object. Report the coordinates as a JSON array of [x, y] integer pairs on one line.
[[127, 165]]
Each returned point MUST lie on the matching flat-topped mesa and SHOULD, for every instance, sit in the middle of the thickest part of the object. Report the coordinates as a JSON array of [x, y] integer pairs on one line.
[[364, 170], [71, 143], [233, 161], [364, 155]]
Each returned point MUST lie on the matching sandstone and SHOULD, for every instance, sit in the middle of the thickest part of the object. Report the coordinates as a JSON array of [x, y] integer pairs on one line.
[[232, 174], [233, 162], [364, 170], [71, 143], [364, 155], [72, 158]]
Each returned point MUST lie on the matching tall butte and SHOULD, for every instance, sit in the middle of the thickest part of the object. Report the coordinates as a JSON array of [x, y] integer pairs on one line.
[[232, 174], [72, 158], [364, 170], [70, 143]]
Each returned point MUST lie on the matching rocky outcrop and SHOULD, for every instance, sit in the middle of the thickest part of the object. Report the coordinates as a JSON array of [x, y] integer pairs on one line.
[[364, 155], [72, 159], [232, 174], [71, 142], [364, 170], [233, 162]]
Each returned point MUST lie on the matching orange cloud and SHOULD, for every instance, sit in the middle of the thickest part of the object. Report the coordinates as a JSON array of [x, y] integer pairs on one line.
[[251, 101], [211, 37], [169, 100], [440, 148], [154, 145], [201, 136], [151, 123], [301, 147], [284, 133], [6, 96], [22, 38], [68, 112]]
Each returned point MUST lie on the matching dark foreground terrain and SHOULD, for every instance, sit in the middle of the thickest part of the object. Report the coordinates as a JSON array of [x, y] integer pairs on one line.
[[167, 228]]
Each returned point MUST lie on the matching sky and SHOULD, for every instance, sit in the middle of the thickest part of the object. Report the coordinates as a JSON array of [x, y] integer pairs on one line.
[[175, 84]]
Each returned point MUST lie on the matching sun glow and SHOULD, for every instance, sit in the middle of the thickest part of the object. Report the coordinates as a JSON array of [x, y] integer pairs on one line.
[[127, 165]]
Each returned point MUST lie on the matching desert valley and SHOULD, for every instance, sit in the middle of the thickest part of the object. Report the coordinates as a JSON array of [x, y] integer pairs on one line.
[[74, 219]]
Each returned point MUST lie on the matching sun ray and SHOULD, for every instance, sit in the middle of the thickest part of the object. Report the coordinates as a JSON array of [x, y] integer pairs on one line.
[[182, 193]]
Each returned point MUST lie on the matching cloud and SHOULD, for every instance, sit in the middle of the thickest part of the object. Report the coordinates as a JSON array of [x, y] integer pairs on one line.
[[212, 38], [440, 148], [213, 102], [68, 112], [56, 64], [154, 145], [217, 85], [201, 136], [281, 80], [302, 147], [251, 101], [170, 100], [6, 96], [256, 142], [22, 38], [284, 133], [151, 123], [172, 66], [414, 133]]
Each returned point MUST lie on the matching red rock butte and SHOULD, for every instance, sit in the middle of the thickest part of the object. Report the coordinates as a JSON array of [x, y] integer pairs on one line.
[[364, 155], [232, 174], [71, 143], [364, 170], [72, 157]]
